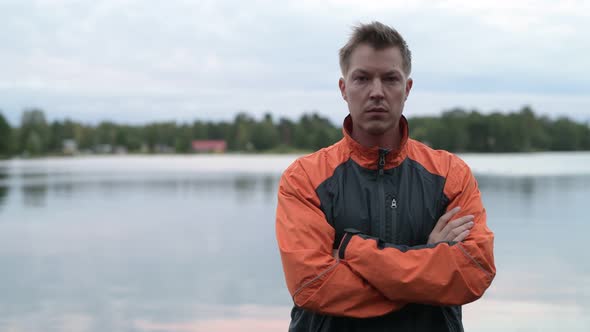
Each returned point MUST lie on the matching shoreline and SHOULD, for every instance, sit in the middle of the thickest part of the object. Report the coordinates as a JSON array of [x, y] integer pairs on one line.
[[486, 164]]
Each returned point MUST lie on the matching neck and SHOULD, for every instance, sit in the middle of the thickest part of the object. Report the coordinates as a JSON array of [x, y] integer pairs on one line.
[[389, 140]]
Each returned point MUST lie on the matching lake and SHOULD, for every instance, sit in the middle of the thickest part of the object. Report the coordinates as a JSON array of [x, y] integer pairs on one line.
[[186, 243]]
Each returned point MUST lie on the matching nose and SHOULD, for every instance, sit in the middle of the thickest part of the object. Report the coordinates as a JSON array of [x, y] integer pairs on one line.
[[376, 91]]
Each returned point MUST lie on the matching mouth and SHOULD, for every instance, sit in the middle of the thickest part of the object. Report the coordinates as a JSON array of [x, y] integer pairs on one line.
[[377, 110]]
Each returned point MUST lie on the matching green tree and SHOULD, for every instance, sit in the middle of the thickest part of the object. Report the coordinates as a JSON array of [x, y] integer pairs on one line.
[[286, 129], [55, 137], [456, 130], [85, 136], [183, 139], [34, 132], [199, 130], [6, 146], [34, 144], [265, 135], [455, 124], [478, 131], [241, 132], [106, 133], [566, 135]]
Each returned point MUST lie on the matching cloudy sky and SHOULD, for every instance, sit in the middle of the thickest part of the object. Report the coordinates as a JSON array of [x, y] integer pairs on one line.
[[138, 61]]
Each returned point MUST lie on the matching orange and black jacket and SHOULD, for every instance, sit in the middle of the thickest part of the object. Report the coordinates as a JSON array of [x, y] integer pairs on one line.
[[377, 209]]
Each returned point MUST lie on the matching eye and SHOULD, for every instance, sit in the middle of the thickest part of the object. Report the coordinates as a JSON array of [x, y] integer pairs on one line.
[[391, 79], [360, 78]]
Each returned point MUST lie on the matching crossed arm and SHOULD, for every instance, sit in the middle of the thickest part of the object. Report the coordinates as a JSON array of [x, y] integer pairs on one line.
[[368, 278]]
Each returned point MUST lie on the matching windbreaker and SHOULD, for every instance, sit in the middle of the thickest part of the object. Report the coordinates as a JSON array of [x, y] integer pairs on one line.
[[377, 209]]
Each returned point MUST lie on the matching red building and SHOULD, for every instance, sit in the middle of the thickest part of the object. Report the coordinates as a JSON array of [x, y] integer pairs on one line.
[[218, 146]]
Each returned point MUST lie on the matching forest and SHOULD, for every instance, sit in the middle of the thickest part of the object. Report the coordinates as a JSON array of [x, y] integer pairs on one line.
[[456, 130]]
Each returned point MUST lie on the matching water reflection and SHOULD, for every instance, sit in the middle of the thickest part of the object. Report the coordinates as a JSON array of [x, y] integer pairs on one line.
[[174, 251], [163, 183], [529, 185], [4, 188], [269, 186], [4, 191], [524, 185], [244, 187], [35, 195], [63, 189]]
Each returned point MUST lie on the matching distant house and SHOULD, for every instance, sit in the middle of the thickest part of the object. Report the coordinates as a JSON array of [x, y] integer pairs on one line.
[[69, 147], [218, 146], [103, 149], [120, 150], [163, 148]]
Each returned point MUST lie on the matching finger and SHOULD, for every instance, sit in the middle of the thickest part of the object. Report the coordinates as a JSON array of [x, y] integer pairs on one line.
[[461, 236], [444, 219], [459, 230], [460, 221], [452, 229], [448, 229]]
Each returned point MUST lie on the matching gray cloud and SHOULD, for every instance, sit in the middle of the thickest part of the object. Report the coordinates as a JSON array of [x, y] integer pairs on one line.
[[208, 59]]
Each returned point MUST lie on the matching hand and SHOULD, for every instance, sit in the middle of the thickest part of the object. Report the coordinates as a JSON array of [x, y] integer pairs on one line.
[[456, 230]]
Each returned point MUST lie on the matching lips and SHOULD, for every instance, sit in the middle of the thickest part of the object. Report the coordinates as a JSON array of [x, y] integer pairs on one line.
[[377, 110]]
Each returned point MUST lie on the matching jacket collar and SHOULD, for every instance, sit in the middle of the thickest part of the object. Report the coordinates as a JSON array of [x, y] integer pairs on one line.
[[368, 157]]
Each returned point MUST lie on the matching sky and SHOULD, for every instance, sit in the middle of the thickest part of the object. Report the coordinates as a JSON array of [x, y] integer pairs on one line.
[[132, 61]]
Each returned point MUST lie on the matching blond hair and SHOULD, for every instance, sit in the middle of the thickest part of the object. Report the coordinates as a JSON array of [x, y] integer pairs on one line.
[[379, 36]]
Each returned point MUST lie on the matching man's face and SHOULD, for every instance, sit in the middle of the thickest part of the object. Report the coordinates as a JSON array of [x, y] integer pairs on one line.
[[375, 88]]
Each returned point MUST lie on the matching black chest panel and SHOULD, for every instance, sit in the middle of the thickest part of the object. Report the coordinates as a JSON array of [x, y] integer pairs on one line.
[[399, 206]]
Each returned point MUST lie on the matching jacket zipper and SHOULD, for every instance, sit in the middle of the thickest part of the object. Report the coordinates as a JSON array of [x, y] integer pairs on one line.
[[381, 191], [393, 221]]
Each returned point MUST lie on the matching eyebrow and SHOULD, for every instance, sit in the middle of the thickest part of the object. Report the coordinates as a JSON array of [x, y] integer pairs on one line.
[[359, 71], [365, 72], [392, 72]]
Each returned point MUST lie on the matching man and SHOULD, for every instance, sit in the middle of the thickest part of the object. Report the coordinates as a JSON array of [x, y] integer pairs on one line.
[[378, 232]]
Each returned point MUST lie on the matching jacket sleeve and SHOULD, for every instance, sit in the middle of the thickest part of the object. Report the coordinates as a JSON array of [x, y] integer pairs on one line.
[[316, 280], [442, 274]]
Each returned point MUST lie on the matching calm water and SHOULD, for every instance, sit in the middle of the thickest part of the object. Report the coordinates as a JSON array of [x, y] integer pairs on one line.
[[187, 244]]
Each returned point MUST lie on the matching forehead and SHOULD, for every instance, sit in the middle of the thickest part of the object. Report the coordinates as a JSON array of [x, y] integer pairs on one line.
[[366, 58]]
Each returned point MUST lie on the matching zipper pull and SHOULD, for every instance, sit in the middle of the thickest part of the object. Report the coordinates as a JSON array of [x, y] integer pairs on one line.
[[393, 204]]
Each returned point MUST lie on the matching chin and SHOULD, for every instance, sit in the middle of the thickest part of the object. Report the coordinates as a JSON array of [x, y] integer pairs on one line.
[[376, 129]]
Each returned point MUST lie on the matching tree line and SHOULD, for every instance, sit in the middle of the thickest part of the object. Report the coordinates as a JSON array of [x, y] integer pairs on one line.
[[456, 130]]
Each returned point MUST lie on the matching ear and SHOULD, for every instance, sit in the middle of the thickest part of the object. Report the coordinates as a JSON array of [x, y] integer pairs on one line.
[[342, 86], [409, 84]]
